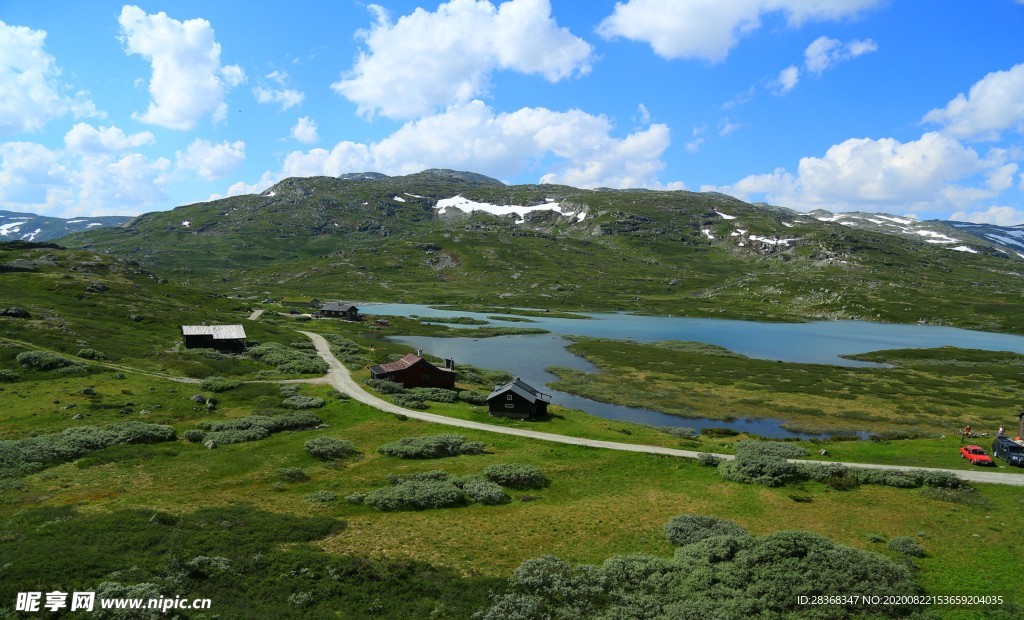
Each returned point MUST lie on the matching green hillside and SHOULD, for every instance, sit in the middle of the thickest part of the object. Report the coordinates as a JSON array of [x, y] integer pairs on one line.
[[371, 237]]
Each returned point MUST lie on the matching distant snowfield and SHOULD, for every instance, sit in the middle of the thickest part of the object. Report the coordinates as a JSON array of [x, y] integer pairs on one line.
[[724, 216], [398, 199], [6, 229], [468, 206], [964, 248]]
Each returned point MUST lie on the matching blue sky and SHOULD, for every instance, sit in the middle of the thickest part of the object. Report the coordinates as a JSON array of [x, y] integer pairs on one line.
[[903, 106]]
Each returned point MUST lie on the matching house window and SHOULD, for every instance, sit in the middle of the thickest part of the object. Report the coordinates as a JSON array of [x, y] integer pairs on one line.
[[509, 397], [510, 406]]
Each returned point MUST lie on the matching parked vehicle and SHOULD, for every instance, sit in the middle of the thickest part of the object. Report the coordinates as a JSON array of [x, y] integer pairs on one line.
[[1008, 450], [976, 455]]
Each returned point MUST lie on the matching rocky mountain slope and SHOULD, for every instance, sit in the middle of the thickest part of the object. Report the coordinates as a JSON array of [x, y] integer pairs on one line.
[[441, 236]]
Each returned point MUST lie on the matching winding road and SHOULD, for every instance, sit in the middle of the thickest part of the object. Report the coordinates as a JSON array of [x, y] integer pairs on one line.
[[339, 377]]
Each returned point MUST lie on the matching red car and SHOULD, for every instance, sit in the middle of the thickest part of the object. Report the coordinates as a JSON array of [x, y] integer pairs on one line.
[[976, 455]]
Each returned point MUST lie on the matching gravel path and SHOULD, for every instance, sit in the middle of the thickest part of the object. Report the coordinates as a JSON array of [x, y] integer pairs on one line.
[[339, 377]]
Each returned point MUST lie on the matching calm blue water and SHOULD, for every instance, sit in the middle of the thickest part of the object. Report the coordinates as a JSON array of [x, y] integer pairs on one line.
[[818, 342]]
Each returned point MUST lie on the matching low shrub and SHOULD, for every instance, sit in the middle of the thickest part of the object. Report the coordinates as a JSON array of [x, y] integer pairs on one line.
[[416, 495], [437, 395], [194, 435], [517, 476], [255, 427], [408, 401], [431, 447], [473, 397], [321, 497], [288, 360], [705, 459], [684, 530], [329, 448], [22, 456], [907, 546], [384, 386], [757, 469], [355, 498], [483, 491], [43, 360], [292, 474], [684, 432], [715, 431], [7, 375], [74, 370], [423, 476], [91, 354], [219, 384], [303, 402]]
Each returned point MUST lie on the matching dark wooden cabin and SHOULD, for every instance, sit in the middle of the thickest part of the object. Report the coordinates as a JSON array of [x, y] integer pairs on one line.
[[229, 338], [516, 399], [339, 310], [414, 371]]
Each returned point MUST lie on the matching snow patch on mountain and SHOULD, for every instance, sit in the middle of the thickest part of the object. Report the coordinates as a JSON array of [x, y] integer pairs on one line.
[[468, 206]]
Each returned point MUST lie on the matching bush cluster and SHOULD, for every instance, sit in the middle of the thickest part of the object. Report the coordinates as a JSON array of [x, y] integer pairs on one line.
[[431, 447], [194, 435], [350, 353], [43, 360], [473, 397], [907, 546], [22, 456], [685, 432], [7, 375], [408, 401], [303, 402], [437, 395], [321, 497], [384, 386], [255, 427], [219, 384], [416, 495], [91, 354], [517, 476], [684, 530], [483, 491], [705, 459], [722, 572], [292, 474], [434, 475], [330, 448], [288, 360]]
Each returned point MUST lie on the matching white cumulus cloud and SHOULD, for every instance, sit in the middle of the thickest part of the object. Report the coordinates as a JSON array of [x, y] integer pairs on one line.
[[1000, 216], [85, 139], [209, 160], [188, 81], [934, 173], [709, 29], [32, 94], [787, 79], [37, 179], [472, 136], [994, 104], [305, 130], [427, 60], [824, 53]]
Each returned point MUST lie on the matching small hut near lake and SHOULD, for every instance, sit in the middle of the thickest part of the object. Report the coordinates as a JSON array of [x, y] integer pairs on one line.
[[517, 399], [414, 371]]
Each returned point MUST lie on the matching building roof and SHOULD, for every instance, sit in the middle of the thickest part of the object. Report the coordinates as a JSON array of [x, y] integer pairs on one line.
[[518, 386], [338, 306], [401, 364], [219, 332]]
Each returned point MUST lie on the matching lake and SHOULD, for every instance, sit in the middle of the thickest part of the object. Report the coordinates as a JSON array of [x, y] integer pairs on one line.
[[819, 342]]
